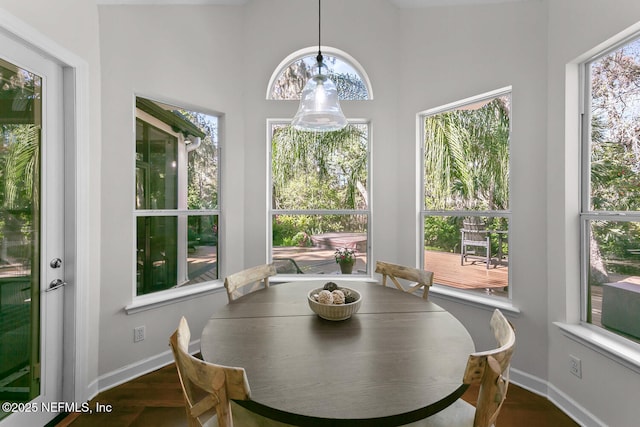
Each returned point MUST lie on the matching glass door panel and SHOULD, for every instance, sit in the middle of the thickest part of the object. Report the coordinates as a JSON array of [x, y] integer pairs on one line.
[[20, 145]]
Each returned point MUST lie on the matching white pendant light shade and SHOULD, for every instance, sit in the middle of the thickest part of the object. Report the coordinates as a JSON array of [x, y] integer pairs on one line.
[[319, 108]]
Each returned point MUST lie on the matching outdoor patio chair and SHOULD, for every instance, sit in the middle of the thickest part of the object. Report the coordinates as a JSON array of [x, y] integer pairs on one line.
[[421, 279], [474, 235], [254, 277], [488, 369], [209, 388]]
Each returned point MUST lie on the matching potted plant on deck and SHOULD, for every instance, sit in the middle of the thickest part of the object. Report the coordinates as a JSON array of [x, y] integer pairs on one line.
[[346, 258]]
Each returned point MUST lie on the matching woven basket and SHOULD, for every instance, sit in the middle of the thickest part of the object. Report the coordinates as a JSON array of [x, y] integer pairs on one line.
[[335, 311]]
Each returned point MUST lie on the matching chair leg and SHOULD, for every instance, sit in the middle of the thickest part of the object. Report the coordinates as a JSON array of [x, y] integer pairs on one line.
[[488, 252]]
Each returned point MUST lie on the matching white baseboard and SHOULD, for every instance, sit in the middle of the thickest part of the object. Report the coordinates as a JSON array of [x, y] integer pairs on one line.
[[135, 370], [572, 409], [565, 403], [92, 389], [528, 382]]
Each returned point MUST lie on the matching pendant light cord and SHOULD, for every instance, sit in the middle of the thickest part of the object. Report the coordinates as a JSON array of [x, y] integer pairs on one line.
[[319, 57]]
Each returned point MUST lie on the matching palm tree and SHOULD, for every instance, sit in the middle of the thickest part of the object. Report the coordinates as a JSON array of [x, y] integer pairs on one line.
[[466, 158], [20, 167]]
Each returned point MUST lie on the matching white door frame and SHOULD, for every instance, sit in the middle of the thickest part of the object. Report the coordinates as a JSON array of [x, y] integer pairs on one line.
[[78, 263]]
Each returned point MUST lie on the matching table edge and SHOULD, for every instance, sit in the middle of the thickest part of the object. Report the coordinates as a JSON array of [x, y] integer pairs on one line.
[[386, 421]]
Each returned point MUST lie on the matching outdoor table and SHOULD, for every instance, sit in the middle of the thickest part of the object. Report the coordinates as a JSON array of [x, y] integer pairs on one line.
[[399, 359]]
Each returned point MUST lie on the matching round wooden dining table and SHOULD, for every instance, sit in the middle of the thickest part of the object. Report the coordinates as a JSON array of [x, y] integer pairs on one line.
[[399, 359]]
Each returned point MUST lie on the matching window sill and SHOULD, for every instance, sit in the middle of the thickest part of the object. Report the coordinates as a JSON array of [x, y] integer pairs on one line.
[[171, 296], [474, 300], [616, 348]]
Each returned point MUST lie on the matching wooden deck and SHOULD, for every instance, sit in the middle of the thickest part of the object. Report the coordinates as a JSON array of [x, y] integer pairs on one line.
[[448, 271], [445, 266]]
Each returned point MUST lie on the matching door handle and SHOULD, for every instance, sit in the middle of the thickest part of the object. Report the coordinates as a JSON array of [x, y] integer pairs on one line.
[[55, 284]]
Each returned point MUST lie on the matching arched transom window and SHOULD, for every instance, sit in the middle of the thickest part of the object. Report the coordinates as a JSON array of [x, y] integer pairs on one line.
[[291, 75]]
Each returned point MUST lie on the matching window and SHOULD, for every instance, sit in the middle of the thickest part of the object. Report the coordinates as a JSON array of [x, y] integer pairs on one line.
[[292, 74], [319, 198], [176, 197], [465, 182], [610, 208]]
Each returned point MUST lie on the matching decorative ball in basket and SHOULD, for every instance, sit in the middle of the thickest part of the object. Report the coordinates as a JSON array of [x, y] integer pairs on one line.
[[332, 302]]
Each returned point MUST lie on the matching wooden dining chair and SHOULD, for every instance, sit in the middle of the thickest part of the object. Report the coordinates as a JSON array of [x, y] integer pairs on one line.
[[208, 388], [421, 279], [254, 276], [488, 369]]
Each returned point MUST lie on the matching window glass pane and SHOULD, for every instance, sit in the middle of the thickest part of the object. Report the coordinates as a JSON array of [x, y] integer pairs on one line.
[[615, 136], [469, 252], [466, 157], [306, 244], [614, 276], [292, 79], [203, 163], [20, 147], [177, 159], [158, 151], [202, 249], [466, 169], [156, 253], [320, 170]]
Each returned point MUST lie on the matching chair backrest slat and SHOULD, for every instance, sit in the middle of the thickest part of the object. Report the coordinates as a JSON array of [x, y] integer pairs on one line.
[[422, 279], [254, 276]]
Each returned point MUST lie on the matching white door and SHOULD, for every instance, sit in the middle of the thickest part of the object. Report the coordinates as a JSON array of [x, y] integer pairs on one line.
[[31, 234]]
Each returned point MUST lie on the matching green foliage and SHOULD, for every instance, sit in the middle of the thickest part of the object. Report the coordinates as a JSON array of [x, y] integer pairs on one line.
[[615, 185], [615, 151], [466, 163], [285, 227], [332, 165], [21, 166], [309, 192], [292, 230], [442, 233], [203, 230], [202, 185], [318, 171], [301, 238], [466, 167], [615, 238]]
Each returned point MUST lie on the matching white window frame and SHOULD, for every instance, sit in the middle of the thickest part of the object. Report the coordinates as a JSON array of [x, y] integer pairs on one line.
[[447, 292], [178, 293], [607, 344], [586, 214], [313, 51], [271, 212]]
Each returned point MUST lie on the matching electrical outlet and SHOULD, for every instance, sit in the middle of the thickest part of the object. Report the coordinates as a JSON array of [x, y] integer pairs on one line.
[[575, 366], [138, 334]]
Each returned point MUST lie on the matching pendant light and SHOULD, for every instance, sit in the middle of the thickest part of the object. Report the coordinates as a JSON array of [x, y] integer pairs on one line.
[[319, 108]]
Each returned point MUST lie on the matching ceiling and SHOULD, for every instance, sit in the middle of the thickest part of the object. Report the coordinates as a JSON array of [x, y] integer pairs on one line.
[[400, 3]]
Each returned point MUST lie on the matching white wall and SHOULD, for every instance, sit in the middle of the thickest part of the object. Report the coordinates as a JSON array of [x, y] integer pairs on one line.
[[451, 53], [607, 388], [186, 56], [371, 40]]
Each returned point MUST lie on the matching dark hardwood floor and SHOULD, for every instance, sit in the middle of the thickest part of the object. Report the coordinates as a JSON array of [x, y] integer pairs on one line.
[[155, 400]]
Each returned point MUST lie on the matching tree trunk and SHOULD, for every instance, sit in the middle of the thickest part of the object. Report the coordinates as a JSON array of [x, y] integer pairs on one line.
[[597, 271]]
